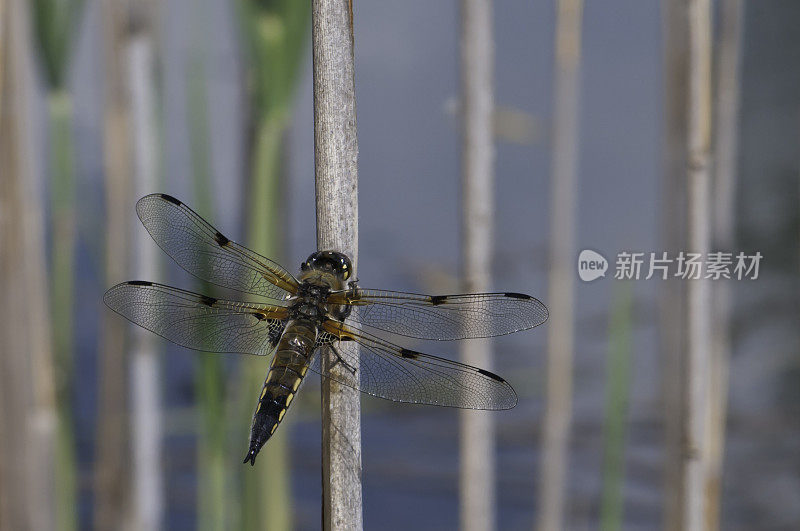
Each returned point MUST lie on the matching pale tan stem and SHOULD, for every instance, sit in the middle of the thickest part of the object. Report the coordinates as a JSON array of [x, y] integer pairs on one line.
[[477, 463], [336, 165], [563, 213]]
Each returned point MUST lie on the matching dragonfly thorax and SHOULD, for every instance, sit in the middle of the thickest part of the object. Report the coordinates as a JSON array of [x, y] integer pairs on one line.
[[307, 310], [309, 302], [312, 292]]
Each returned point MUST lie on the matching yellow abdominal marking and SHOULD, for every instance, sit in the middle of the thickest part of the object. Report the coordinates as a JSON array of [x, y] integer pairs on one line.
[[258, 407], [295, 385], [263, 392], [289, 399], [273, 429], [281, 414]]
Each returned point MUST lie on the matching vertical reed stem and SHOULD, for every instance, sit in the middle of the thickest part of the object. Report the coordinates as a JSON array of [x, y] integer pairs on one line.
[[698, 309], [147, 422], [267, 489], [672, 300], [618, 368], [277, 34], [62, 201], [27, 401], [726, 142], [477, 463], [213, 486], [563, 213], [111, 472], [336, 169]]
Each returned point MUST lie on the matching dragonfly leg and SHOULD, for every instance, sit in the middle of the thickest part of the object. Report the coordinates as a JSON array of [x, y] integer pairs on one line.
[[340, 359], [353, 285]]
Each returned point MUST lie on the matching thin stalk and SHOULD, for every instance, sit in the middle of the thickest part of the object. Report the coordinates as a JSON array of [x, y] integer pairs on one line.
[[147, 422], [698, 307], [477, 462], [563, 213], [276, 34], [211, 457], [726, 142], [53, 24], [336, 172], [672, 320], [53, 30], [266, 502], [113, 452], [27, 394], [618, 369], [62, 205], [212, 464]]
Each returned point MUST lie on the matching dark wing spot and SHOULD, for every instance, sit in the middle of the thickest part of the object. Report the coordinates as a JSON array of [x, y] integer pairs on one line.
[[171, 199], [221, 240], [260, 316], [139, 283], [491, 375], [518, 296], [436, 300], [346, 338], [208, 301], [409, 354]]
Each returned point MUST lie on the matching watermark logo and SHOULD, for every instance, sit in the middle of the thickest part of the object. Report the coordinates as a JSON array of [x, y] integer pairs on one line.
[[683, 265], [591, 265]]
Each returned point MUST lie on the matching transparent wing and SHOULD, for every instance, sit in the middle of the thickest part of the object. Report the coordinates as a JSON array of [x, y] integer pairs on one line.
[[198, 321], [395, 373], [443, 317], [203, 251]]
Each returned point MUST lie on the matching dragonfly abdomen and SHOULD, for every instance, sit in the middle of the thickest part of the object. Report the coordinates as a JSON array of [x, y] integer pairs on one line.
[[288, 368]]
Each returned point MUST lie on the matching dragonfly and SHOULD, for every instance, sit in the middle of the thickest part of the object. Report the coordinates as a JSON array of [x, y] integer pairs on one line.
[[320, 312]]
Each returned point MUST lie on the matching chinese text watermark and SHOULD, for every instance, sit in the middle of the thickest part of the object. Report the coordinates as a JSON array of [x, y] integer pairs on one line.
[[683, 265]]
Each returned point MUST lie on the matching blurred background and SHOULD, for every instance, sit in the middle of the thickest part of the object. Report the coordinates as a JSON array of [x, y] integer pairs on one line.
[[107, 427]]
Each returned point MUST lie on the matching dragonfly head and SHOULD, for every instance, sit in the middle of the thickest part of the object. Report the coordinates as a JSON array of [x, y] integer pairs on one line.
[[329, 262]]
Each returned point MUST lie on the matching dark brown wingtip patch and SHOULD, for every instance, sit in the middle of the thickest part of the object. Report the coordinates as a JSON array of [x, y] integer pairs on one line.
[[221, 240], [491, 375], [409, 353], [436, 300], [139, 283], [167, 197], [518, 296], [208, 301]]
